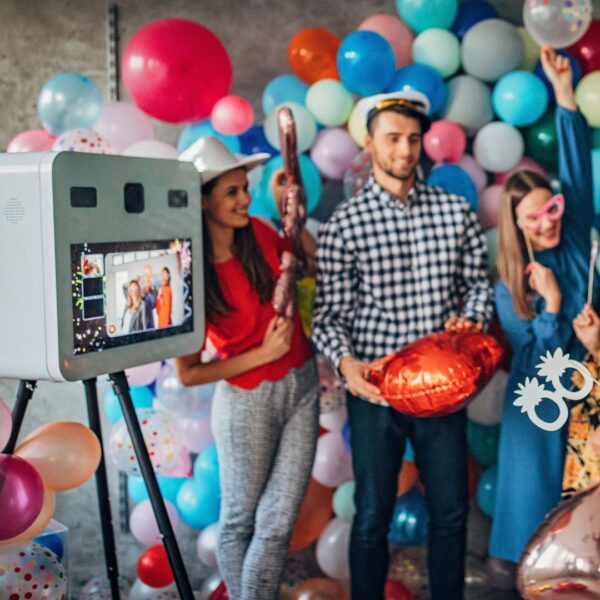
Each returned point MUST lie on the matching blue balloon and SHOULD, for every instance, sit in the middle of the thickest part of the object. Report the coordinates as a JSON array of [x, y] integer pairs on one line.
[[410, 520], [169, 488], [206, 468], [263, 203], [483, 442], [53, 541], [424, 79], [486, 491], [141, 396], [254, 141], [575, 67], [69, 101], [284, 88], [347, 436], [453, 179], [198, 505], [201, 129], [520, 98], [365, 62], [409, 453], [420, 15], [471, 12]]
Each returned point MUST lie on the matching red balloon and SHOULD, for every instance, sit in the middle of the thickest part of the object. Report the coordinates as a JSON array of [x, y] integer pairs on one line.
[[175, 70], [220, 593], [587, 49], [153, 567], [438, 374], [396, 590]]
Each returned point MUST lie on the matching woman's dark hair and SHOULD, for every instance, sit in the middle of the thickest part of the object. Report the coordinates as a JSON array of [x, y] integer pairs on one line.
[[247, 250]]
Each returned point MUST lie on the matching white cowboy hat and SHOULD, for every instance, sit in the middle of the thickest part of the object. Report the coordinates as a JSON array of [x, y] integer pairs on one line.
[[212, 158]]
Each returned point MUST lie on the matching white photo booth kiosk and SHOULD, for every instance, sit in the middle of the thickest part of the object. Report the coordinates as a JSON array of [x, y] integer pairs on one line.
[[82, 237]]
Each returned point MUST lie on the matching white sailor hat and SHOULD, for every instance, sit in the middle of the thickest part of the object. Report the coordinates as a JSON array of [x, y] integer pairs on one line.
[[411, 100]]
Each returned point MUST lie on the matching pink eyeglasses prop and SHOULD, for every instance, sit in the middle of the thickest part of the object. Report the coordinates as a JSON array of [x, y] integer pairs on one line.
[[553, 209]]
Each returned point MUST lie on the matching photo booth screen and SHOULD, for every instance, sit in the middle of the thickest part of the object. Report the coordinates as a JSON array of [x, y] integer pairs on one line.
[[128, 292]]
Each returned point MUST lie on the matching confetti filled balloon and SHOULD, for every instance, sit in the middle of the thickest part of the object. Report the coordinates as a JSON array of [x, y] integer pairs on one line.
[[33, 571], [557, 23], [409, 565], [437, 374], [98, 588], [357, 174], [82, 140], [160, 435]]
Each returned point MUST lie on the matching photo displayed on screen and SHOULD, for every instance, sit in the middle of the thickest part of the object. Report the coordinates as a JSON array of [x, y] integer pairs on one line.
[[127, 292]]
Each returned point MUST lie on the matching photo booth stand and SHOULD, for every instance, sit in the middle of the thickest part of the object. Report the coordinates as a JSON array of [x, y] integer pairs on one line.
[[75, 231]]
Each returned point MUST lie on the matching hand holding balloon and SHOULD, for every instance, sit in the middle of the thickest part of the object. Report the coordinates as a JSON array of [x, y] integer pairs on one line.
[[462, 324], [355, 373]]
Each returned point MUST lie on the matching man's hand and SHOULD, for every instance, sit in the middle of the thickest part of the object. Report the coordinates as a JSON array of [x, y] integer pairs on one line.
[[355, 373], [462, 324]]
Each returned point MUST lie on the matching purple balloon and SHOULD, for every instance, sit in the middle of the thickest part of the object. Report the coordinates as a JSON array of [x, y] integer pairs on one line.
[[21, 495], [333, 151]]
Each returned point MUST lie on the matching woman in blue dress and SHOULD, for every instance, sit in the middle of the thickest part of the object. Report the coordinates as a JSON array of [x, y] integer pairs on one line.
[[543, 263]]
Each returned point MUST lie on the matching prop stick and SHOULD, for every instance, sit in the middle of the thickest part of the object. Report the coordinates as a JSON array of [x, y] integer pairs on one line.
[[529, 248], [593, 257]]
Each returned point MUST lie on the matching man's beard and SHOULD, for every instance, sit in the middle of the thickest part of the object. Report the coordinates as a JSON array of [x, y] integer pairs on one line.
[[390, 172]]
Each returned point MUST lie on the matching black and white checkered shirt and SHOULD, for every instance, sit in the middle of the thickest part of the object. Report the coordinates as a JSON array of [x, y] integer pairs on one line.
[[390, 272]]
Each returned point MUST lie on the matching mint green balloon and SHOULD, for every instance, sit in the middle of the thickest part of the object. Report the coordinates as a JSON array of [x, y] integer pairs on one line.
[[439, 49], [306, 126], [329, 102], [343, 501]]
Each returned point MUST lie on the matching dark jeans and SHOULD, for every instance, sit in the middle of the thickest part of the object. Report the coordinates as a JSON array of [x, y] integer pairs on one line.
[[378, 439]]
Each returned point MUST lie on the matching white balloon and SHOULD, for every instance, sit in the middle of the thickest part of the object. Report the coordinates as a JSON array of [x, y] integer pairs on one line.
[[151, 149], [144, 374], [332, 549], [206, 546], [486, 408], [141, 591], [498, 147], [334, 420]]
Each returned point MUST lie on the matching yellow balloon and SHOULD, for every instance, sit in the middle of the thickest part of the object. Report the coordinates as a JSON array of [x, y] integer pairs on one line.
[[531, 51], [587, 95], [357, 127], [306, 288]]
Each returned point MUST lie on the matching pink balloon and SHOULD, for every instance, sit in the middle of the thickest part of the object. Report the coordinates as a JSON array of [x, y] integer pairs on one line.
[[5, 424], [143, 375], [524, 163], [143, 525], [333, 463], [445, 141], [123, 124], [396, 32], [332, 549], [489, 204], [34, 140], [21, 495], [332, 151], [195, 434], [184, 467], [232, 115], [474, 170]]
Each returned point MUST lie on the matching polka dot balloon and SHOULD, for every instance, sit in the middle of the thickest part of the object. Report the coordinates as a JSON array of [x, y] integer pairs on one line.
[[82, 140]]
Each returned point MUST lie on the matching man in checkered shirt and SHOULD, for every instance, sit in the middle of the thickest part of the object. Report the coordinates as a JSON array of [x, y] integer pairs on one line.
[[398, 261]]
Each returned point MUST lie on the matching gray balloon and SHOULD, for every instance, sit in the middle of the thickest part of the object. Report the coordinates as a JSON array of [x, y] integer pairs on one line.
[[469, 103], [491, 48]]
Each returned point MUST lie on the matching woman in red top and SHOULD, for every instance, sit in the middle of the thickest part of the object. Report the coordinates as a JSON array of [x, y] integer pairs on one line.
[[164, 299], [265, 409]]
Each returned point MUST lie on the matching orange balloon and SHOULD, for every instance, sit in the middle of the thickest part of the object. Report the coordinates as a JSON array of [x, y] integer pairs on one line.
[[407, 476], [437, 374], [65, 454], [40, 523], [314, 515], [312, 54], [319, 588]]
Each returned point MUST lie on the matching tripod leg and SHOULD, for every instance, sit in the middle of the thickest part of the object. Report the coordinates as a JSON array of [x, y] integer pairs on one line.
[[181, 578], [108, 536], [24, 394]]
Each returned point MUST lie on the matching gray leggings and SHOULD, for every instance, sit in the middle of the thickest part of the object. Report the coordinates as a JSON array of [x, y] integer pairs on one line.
[[266, 443]]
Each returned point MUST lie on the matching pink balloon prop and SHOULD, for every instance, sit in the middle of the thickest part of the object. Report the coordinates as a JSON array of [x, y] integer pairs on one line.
[[333, 151], [143, 525], [333, 463], [144, 374], [175, 70], [332, 549], [524, 163], [396, 32], [21, 495], [82, 140], [34, 140], [232, 115], [474, 170], [123, 124], [445, 141], [489, 204], [5, 424]]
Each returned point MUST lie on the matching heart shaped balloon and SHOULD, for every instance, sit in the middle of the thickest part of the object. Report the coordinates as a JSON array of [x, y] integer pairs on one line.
[[437, 374]]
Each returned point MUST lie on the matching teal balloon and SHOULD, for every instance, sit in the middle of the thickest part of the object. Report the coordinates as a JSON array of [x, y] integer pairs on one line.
[[206, 468], [596, 137], [483, 442], [202, 129], [169, 488], [343, 501], [486, 491], [520, 98], [141, 396], [198, 504], [420, 15], [263, 203], [306, 126], [284, 88]]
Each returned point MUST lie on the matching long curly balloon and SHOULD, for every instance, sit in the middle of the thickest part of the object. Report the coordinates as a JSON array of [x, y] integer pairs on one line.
[[438, 374]]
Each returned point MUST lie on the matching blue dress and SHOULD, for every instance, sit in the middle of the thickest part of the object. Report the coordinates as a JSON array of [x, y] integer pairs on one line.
[[530, 459]]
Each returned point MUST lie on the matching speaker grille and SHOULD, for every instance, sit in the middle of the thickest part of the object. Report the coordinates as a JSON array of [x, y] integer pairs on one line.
[[13, 211]]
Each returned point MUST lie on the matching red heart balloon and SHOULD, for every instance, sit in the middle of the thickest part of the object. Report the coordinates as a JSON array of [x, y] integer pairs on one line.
[[438, 374]]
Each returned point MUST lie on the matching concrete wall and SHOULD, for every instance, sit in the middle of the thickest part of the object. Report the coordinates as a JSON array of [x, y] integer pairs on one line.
[[41, 38]]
